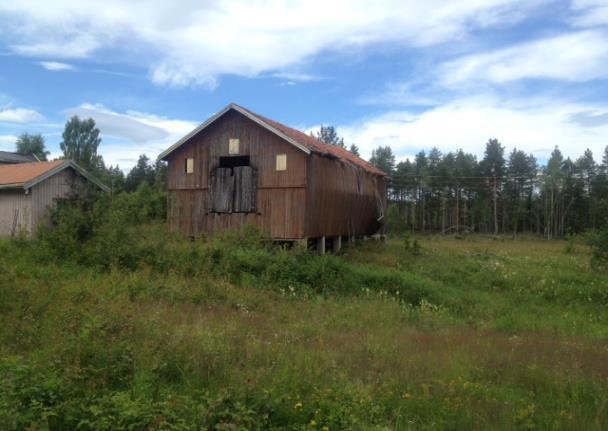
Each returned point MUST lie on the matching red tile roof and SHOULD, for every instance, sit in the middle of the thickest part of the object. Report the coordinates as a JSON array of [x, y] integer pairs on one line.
[[317, 146], [21, 173]]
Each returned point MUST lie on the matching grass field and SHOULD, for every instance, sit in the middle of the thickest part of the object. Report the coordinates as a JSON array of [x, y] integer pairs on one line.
[[473, 333]]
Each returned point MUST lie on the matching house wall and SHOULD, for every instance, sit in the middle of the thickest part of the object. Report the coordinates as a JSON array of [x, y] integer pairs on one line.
[[46, 193], [281, 195], [15, 212], [343, 199]]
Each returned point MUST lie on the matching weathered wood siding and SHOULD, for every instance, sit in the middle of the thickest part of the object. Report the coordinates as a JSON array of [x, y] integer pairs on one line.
[[48, 192], [15, 212], [21, 212], [280, 195], [343, 199]]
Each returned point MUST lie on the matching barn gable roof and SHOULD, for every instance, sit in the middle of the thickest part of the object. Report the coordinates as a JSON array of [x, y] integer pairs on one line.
[[27, 175], [300, 140]]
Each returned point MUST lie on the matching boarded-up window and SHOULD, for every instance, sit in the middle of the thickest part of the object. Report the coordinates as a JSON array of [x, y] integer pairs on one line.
[[281, 162], [233, 146], [189, 166]]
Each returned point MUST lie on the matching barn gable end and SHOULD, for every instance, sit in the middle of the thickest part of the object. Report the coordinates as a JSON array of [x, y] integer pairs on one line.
[[217, 196]]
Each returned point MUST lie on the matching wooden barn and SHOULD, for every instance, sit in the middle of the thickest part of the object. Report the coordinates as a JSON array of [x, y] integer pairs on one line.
[[28, 190], [241, 168]]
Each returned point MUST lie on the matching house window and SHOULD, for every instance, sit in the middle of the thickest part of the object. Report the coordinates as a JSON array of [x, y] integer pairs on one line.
[[189, 165], [233, 146], [281, 162]]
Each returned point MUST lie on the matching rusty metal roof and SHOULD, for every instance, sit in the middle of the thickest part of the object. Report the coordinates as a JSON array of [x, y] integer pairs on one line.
[[295, 137], [317, 146], [26, 175]]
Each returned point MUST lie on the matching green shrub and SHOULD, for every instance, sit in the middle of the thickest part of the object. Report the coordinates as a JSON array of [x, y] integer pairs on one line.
[[599, 245]]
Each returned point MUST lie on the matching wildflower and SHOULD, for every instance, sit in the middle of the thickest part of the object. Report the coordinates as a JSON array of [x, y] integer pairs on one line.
[[325, 428], [313, 423], [298, 406], [407, 396]]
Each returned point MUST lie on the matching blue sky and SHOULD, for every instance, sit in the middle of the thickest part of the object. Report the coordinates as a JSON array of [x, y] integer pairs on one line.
[[409, 74]]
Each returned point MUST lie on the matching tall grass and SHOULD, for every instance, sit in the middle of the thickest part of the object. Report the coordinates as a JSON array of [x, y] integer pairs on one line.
[[128, 326]]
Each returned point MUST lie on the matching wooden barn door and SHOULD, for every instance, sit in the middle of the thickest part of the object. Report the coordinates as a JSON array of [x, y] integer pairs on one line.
[[244, 189], [222, 189], [234, 190]]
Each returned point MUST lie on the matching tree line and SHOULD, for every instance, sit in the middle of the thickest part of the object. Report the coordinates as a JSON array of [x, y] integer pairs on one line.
[[80, 143], [435, 192], [499, 194]]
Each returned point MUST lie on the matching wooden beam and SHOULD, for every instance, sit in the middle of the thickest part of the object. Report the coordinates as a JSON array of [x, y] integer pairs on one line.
[[321, 245], [337, 244]]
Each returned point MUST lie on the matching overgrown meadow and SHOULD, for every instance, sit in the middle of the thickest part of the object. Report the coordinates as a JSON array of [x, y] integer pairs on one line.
[[111, 322]]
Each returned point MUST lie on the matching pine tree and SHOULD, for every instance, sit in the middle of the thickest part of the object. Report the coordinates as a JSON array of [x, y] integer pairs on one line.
[[328, 135], [493, 165], [142, 172], [384, 159]]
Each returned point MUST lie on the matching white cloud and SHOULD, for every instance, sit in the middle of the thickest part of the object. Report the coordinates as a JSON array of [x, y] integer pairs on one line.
[[590, 13], [578, 56], [127, 135], [20, 115], [400, 94], [296, 76], [533, 126], [195, 42], [55, 65], [7, 142]]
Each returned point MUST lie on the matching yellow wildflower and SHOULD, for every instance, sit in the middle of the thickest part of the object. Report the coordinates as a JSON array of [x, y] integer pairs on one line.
[[298, 406]]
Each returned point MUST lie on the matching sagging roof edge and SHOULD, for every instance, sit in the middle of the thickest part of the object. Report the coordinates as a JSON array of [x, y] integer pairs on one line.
[[212, 119]]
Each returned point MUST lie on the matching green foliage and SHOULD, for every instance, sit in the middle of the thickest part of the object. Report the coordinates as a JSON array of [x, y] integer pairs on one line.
[[145, 172], [80, 142], [328, 135], [452, 192], [111, 322], [411, 246], [232, 333], [28, 145], [106, 230], [599, 244], [384, 159], [570, 246]]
